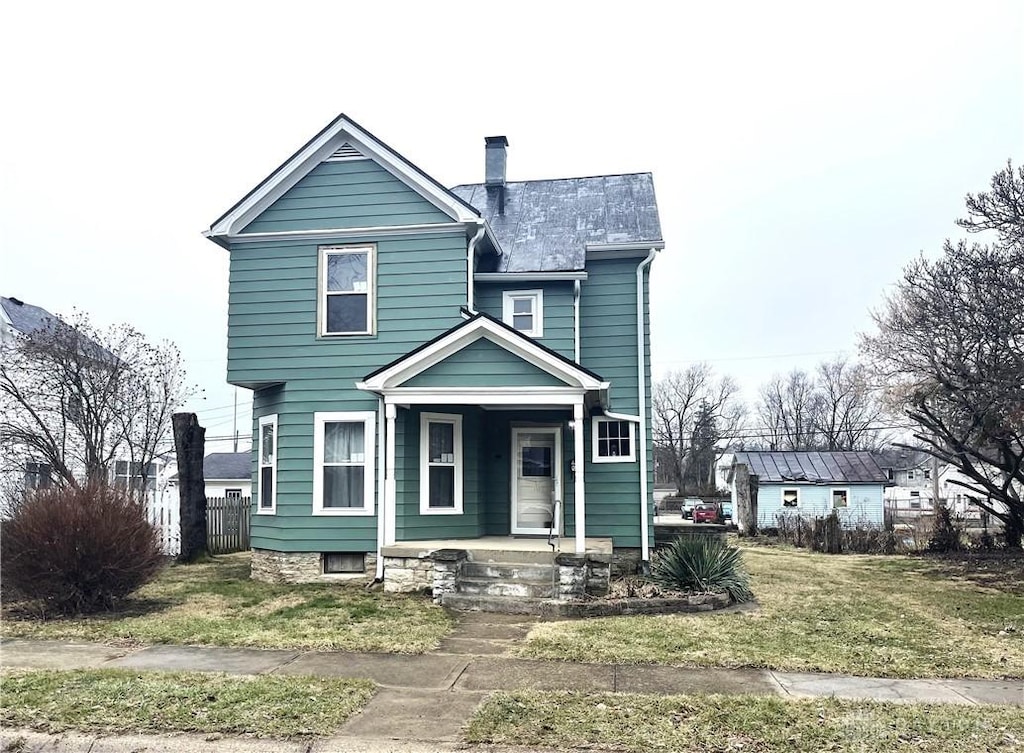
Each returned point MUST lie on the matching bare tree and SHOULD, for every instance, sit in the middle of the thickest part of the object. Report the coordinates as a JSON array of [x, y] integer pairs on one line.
[[77, 398], [950, 342], [835, 408], [688, 400]]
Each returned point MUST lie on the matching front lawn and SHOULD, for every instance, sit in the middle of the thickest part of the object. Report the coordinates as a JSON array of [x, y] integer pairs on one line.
[[859, 615], [122, 702], [765, 724], [216, 604]]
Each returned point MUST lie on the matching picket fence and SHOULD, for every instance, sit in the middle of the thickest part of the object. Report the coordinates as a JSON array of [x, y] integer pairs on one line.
[[227, 523]]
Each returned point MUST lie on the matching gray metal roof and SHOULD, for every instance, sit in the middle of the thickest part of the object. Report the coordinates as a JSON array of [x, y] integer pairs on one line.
[[25, 317], [228, 465], [547, 224], [813, 467], [901, 459]]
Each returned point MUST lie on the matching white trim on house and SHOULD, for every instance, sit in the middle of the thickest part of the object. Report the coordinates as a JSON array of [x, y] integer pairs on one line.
[[418, 362], [325, 252], [536, 313], [433, 228], [485, 396], [456, 462], [270, 509], [319, 149], [595, 440], [368, 463], [529, 276]]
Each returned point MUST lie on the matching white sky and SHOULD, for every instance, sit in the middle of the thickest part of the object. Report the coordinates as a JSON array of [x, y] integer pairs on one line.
[[802, 152]]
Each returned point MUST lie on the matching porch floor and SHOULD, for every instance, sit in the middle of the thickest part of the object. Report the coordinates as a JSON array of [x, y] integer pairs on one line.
[[485, 546]]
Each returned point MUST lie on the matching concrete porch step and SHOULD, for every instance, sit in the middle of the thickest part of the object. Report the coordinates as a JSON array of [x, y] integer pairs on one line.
[[518, 588], [507, 570], [541, 556]]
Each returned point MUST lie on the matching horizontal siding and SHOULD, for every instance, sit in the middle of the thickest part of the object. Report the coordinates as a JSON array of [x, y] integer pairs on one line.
[[865, 503], [484, 363], [346, 194], [272, 316], [559, 317]]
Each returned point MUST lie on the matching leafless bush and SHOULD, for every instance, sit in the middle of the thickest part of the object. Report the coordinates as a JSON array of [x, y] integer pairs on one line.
[[77, 550]]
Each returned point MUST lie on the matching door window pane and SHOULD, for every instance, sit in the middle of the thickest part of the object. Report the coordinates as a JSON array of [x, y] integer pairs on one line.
[[536, 461]]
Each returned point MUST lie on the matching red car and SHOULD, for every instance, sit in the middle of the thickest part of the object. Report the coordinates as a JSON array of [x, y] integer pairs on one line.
[[705, 514]]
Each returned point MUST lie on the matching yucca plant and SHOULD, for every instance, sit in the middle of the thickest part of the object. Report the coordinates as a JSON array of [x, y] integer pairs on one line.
[[703, 564]]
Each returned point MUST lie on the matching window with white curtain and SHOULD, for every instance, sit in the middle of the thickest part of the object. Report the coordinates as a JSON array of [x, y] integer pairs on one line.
[[440, 464], [343, 463]]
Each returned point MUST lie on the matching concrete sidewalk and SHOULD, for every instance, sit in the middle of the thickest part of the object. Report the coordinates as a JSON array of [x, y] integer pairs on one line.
[[477, 674], [425, 700]]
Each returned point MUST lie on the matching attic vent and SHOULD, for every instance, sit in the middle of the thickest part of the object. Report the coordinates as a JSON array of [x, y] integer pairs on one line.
[[346, 151]]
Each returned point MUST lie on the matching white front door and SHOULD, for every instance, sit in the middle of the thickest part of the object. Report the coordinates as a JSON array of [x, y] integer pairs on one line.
[[536, 479]]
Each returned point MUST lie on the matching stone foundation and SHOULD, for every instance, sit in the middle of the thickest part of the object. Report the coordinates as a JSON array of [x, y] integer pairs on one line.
[[303, 567], [625, 562]]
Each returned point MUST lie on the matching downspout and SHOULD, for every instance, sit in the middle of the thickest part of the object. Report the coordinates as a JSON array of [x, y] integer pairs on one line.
[[645, 549], [576, 319], [471, 267], [381, 471]]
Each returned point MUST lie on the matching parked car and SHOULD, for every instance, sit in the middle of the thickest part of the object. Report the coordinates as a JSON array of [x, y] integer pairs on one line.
[[706, 514], [727, 513], [689, 503]]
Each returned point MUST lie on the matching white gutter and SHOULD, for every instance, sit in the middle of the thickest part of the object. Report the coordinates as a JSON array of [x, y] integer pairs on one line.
[[576, 320], [645, 549], [470, 264]]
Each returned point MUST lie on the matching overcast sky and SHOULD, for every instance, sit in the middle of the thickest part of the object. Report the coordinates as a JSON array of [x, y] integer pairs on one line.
[[802, 152]]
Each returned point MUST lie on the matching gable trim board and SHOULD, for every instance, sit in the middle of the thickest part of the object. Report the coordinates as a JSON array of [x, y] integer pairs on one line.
[[342, 130]]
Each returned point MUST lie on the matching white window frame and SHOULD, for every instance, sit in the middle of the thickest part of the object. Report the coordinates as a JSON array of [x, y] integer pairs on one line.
[[782, 497], [369, 421], [371, 288], [594, 443], [442, 418], [272, 508], [508, 299], [832, 498]]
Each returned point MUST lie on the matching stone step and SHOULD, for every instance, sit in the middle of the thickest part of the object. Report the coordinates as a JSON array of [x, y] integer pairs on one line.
[[507, 571], [521, 588]]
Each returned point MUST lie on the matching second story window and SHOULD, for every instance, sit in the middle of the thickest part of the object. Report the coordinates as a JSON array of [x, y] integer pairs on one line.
[[523, 310], [347, 290]]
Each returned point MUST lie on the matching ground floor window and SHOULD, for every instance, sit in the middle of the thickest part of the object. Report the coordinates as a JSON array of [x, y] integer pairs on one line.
[[343, 463], [613, 441], [840, 498], [790, 497], [440, 464], [268, 466]]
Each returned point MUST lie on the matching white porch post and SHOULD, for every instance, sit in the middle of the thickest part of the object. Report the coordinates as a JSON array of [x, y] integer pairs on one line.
[[390, 488], [580, 490]]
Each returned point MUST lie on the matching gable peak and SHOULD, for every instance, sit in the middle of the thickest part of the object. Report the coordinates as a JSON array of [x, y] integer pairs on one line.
[[346, 152]]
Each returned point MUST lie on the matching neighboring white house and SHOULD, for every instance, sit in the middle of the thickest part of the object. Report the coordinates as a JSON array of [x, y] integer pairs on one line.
[[227, 474]]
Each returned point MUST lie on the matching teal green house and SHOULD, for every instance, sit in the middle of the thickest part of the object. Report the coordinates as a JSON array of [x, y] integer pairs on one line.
[[450, 385]]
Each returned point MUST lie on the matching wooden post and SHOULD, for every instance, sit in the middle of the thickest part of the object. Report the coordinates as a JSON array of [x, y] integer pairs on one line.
[[746, 500], [190, 445]]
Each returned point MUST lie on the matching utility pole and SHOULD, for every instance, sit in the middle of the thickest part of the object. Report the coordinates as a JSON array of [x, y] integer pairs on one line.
[[234, 422]]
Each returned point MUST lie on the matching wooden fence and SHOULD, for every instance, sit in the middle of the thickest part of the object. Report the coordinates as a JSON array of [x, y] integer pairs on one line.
[[227, 524]]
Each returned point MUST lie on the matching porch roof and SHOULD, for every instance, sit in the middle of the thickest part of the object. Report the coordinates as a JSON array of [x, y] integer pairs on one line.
[[520, 370]]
